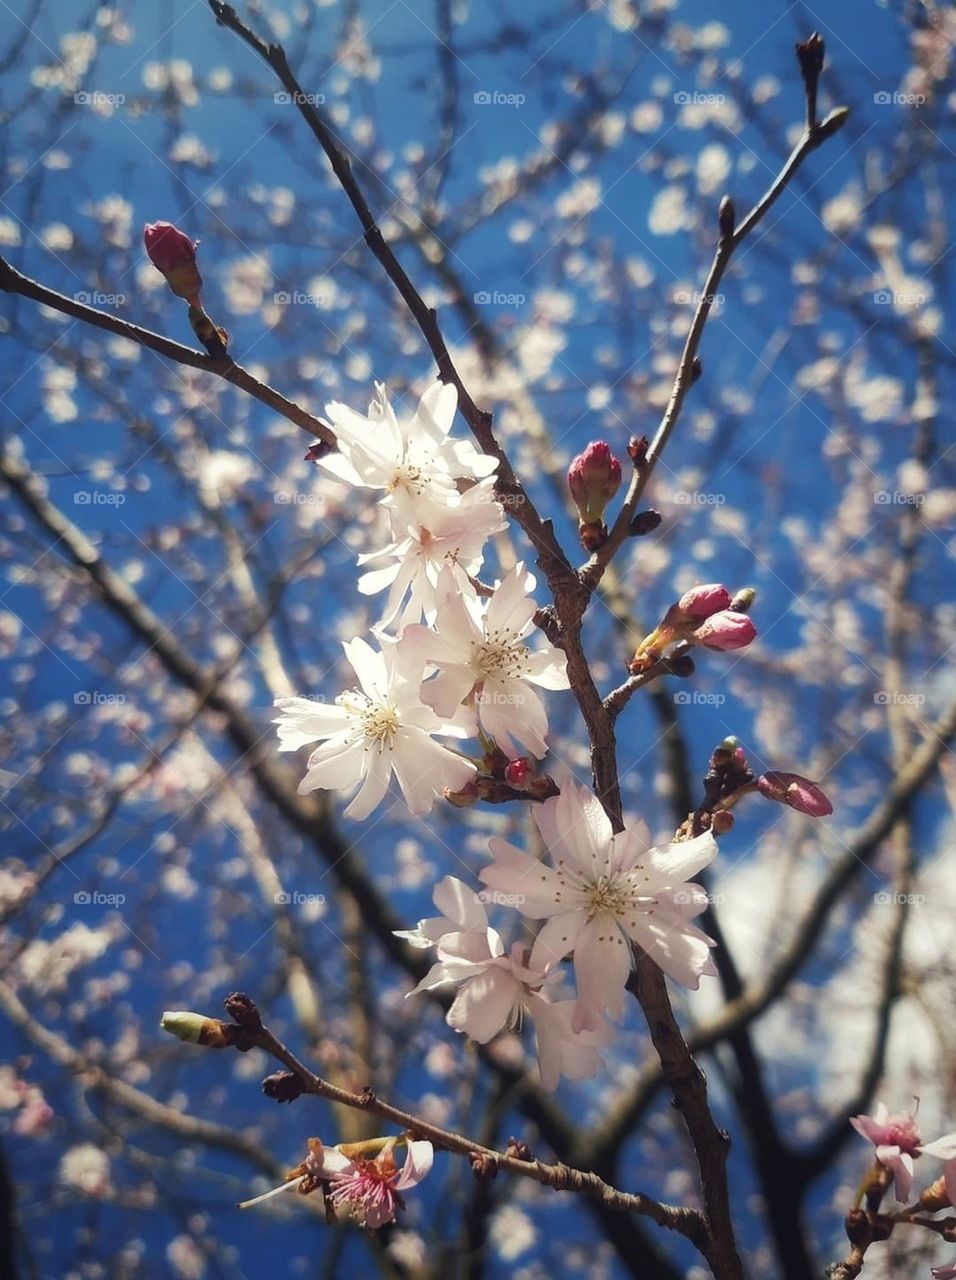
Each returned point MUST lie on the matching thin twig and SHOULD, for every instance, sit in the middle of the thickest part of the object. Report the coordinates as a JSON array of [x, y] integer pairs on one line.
[[14, 281], [560, 1177], [688, 370], [554, 564]]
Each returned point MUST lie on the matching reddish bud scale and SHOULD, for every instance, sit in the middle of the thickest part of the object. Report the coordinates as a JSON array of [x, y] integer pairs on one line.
[[594, 477], [797, 792], [173, 253], [726, 630]]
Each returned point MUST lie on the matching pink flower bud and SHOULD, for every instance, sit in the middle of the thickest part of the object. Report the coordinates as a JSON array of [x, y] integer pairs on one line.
[[173, 253], [518, 773], [594, 477], [726, 630], [799, 793], [701, 602]]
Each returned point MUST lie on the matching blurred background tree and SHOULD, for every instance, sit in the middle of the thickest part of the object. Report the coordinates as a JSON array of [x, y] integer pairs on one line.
[[171, 563]]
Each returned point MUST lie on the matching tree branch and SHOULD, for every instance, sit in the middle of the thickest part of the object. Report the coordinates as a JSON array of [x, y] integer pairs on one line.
[[13, 281]]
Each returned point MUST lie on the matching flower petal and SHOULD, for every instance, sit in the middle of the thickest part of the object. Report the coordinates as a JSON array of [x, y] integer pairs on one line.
[[484, 1004], [419, 1157], [302, 721]]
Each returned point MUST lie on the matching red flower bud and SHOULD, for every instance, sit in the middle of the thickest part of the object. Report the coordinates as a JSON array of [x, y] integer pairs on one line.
[[518, 773], [594, 477], [799, 793], [173, 253], [726, 630]]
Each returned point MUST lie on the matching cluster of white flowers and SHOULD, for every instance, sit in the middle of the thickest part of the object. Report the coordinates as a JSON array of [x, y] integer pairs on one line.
[[449, 664], [602, 892], [454, 662]]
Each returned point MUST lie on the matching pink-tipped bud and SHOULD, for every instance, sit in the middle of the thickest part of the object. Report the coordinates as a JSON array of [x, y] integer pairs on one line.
[[700, 602], [726, 630], [173, 253], [594, 477], [518, 773], [799, 793]]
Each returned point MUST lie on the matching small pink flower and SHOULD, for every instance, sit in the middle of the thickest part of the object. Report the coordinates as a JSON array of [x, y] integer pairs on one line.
[[594, 477], [897, 1141], [726, 630], [702, 601], [798, 792], [368, 1192], [173, 253]]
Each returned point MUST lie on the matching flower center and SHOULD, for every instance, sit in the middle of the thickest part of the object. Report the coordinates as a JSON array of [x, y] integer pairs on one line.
[[612, 895], [500, 654], [378, 720], [407, 476]]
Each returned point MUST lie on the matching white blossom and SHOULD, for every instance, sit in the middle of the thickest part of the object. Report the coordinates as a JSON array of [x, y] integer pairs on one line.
[[373, 731], [480, 647], [603, 892]]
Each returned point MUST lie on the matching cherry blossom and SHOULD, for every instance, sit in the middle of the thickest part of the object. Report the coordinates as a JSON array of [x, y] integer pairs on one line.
[[362, 1188], [454, 538], [373, 731], [497, 989], [415, 461], [603, 892], [480, 647], [897, 1141], [368, 1191]]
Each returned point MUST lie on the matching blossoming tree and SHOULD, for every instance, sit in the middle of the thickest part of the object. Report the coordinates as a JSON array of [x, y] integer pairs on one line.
[[502, 611]]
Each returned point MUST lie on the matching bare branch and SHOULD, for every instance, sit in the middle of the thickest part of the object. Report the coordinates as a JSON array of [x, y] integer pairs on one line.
[[13, 281]]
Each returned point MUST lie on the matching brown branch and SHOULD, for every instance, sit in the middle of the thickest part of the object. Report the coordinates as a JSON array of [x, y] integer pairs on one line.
[[560, 1177], [95, 1077], [688, 370], [13, 281], [552, 560]]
